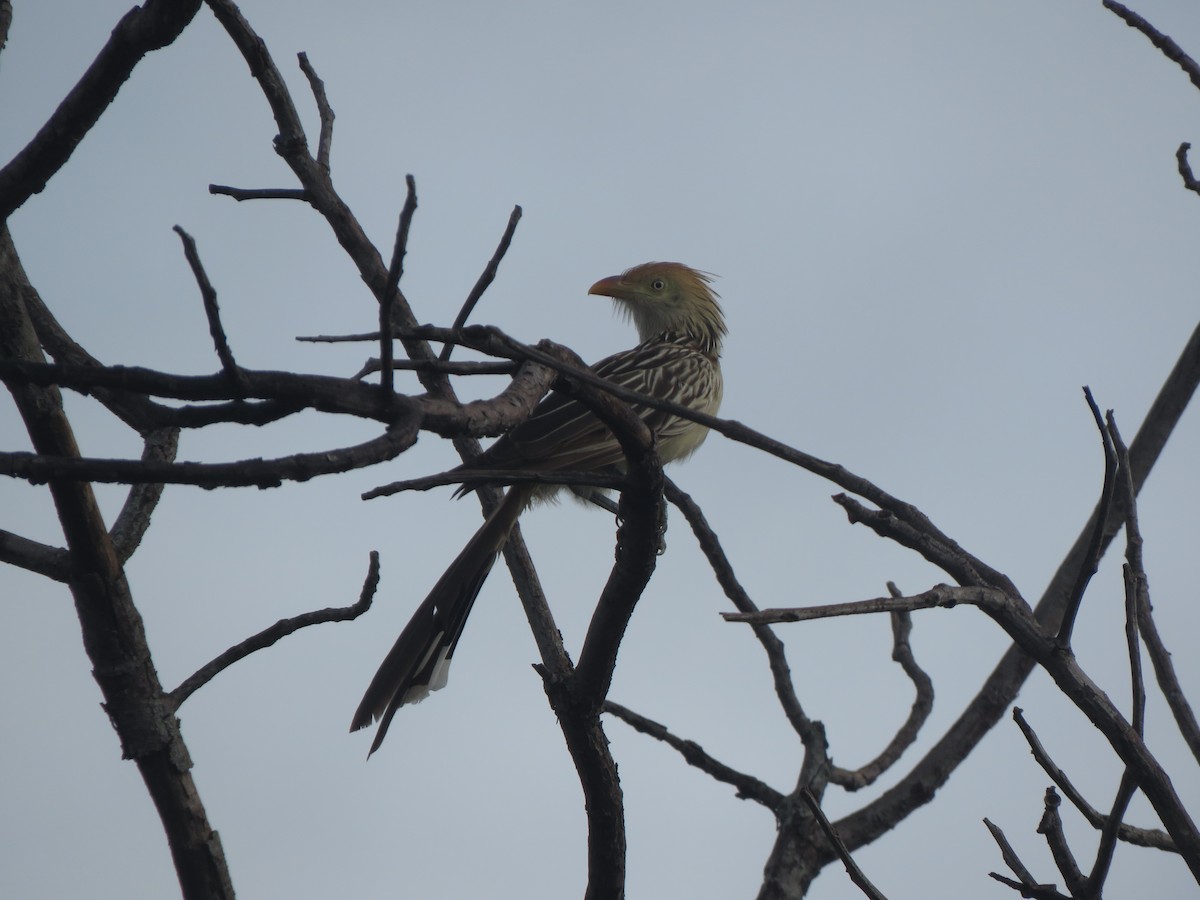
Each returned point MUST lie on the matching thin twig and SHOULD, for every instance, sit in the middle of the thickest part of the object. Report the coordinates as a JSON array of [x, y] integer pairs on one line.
[[852, 869], [1168, 681], [1185, 168], [747, 786], [1027, 885], [1142, 837], [781, 673], [395, 271], [323, 108], [485, 279], [1136, 590], [240, 194], [1108, 837], [260, 473], [211, 310], [1091, 560], [1051, 827], [1168, 47], [277, 632], [942, 595]]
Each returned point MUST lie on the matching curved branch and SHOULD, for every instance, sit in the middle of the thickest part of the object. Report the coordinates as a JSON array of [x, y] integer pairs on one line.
[[133, 520], [278, 632], [922, 706]]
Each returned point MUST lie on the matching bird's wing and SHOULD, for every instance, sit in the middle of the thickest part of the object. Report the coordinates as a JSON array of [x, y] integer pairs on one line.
[[563, 434]]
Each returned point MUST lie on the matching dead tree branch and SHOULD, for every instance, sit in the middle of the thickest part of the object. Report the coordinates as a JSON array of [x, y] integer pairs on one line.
[[278, 632]]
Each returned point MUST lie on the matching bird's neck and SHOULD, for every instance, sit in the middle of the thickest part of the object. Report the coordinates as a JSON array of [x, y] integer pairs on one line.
[[708, 344]]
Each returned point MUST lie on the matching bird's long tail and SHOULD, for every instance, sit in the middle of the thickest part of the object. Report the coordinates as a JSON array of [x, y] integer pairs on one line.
[[419, 660]]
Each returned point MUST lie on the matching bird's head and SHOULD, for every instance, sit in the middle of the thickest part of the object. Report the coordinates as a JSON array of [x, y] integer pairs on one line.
[[667, 298]]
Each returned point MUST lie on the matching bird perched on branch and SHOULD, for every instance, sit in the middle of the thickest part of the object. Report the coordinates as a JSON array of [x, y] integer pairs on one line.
[[681, 326]]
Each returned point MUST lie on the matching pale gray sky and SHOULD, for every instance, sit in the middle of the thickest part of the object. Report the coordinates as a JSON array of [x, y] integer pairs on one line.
[[932, 222]]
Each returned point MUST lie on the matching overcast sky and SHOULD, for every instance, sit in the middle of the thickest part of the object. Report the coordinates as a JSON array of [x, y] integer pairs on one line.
[[933, 222]]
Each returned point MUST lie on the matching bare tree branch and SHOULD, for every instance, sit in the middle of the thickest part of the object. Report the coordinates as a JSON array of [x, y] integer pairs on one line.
[[1027, 885], [211, 310], [1002, 685], [922, 706], [240, 194], [160, 446], [747, 786], [485, 279], [395, 271], [1168, 681], [1185, 168], [1143, 837], [325, 141], [1016, 619], [261, 473], [852, 869], [1091, 560], [34, 556], [113, 634], [143, 29], [277, 632], [1168, 47], [1056, 839], [1108, 836], [781, 673]]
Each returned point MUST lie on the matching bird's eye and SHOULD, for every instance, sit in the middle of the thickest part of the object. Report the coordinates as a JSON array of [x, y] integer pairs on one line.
[[658, 284]]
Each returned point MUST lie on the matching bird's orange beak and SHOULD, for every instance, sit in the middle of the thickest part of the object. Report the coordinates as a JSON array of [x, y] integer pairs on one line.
[[607, 287]]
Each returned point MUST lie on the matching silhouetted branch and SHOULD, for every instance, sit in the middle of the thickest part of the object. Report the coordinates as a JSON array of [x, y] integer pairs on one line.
[[211, 310], [485, 279], [261, 473], [34, 556], [781, 673], [1091, 560], [1185, 168], [747, 786], [1168, 47], [141, 30], [1051, 828], [325, 111], [922, 706], [241, 194], [1108, 836], [395, 271], [453, 367], [1143, 837], [1027, 885], [277, 632]]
